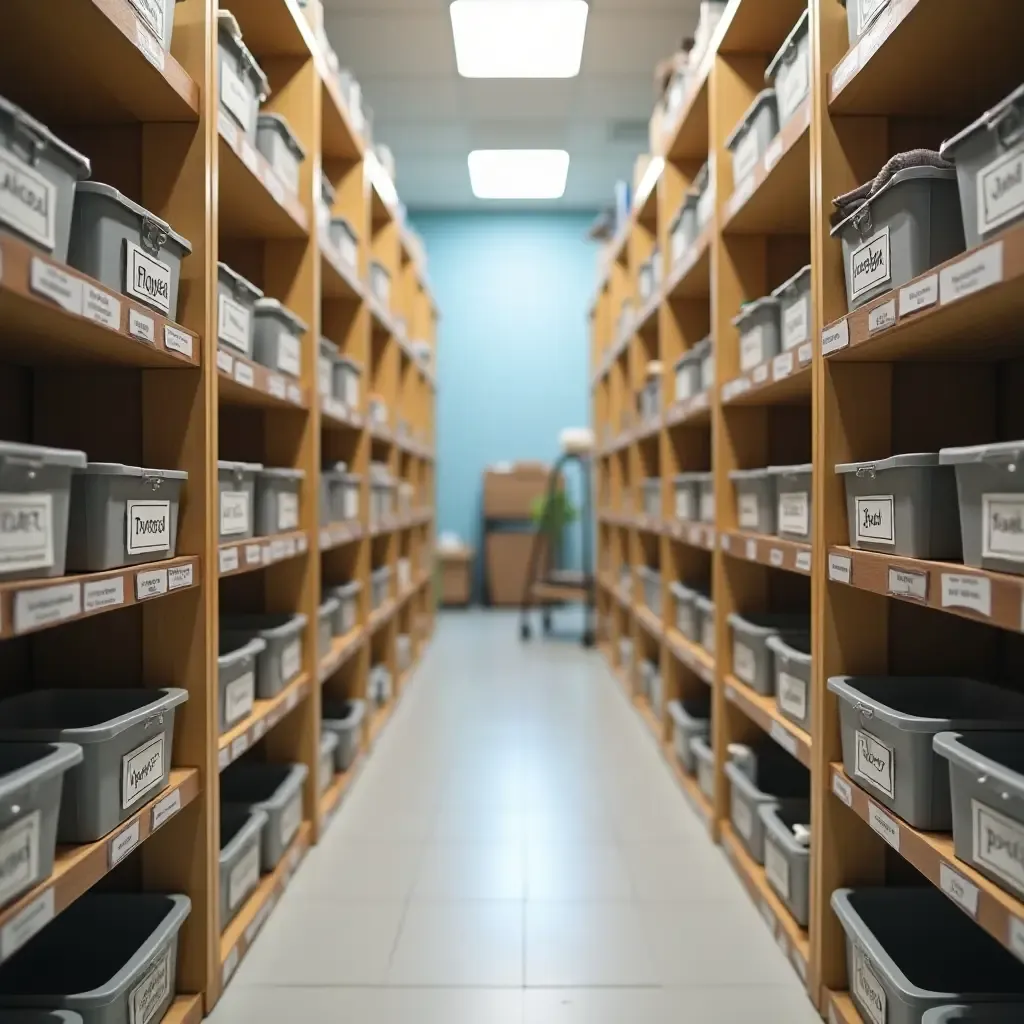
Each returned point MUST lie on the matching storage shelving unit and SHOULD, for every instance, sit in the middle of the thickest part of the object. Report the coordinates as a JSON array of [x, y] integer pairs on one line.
[[864, 385], [79, 370]]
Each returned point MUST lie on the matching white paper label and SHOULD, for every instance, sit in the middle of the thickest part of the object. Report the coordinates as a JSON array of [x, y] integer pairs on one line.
[[760, 374], [178, 341], [249, 157], [882, 317], [842, 789], [291, 818], [776, 867], [751, 348], [147, 526], [973, 273], [26, 532], [906, 583], [244, 876], [1002, 524], [751, 551], [239, 697], [845, 69], [291, 660], [152, 50], [773, 154], [791, 694], [742, 818], [19, 856], [794, 513], [998, 844], [707, 506], [958, 889], [180, 576], [783, 737], [869, 264], [776, 557], [234, 513], [835, 337], [147, 278], [253, 554], [884, 825], [228, 559], [684, 503], [239, 745], [971, 592], [150, 584], [141, 326], [142, 770], [224, 361], [803, 561], [152, 14], [748, 511], [744, 663], [99, 594], [64, 289], [744, 158], [235, 95], [874, 762], [276, 385], [244, 374], [867, 989], [45, 606], [26, 923], [1015, 936], [805, 353], [795, 324], [1000, 190], [287, 511], [148, 997], [782, 365], [165, 809], [101, 307], [919, 294], [289, 354], [124, 842], [233, 322], [875, 519], [27, 201]]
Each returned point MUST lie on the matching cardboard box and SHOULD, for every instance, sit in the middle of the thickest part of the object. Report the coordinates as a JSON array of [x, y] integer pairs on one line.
[[508, 563], [509, 493], [456, 575]]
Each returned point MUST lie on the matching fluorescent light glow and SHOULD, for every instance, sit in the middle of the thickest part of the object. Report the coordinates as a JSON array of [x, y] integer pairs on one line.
[[518, 173], [519, 38]]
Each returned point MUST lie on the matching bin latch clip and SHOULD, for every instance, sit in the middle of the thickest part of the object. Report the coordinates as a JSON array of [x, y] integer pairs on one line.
[[153, 234], [153, 481], [866, 471], [25, 130], [864, 710], [862, 220], [1009, 127]]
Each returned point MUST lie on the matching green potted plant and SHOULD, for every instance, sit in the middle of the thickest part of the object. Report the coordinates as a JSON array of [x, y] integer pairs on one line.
[[551, 515]]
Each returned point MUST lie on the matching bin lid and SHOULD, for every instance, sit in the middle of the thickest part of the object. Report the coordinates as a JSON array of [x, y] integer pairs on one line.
[[796, 33], [1005, 452], [346, 224], [701, 477], [794, 283], [344, 590], [911, 460], [748, 309], [704, 602], [763, 97], [28, 764], [798, 470], [793, 646], [327, 348], [231, 649], [986, 754], [380, 268], [98, 188], [239, 282], [30, 126], [275, 308], [327, 191], [700, 180], [748, 474], [120, 469], [702, 349], [771, 622], [228, 25], [908, 174], [40, 455], [328, 606], [351, 364], [282, 473], [269, 626], [226, 466], [991, 120], [280, 123]]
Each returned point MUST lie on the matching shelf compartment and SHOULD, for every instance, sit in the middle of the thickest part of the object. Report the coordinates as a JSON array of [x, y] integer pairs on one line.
[[53, 314], [841, 1009], [276, 28], [969, 307], [691, 790], [340, 139], [27, 606], [265, 714], [697, 535], [342, 650], [184, 1010], [339, 280], [650, 718], [690, 278], [791, 555], [994, 598], [763, 713], [788, 935], [237, 557], [332, 797], [338, 534], [383, 615], [999, 913], [650, 621], [687, 139], [379, 718], [784, 379], [692, 655], [244, 382], [76, 869]]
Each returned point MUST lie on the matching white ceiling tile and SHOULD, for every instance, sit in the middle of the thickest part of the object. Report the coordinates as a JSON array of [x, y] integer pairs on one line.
[[517, 98], [622, 43], [413, 98], [405, 44]]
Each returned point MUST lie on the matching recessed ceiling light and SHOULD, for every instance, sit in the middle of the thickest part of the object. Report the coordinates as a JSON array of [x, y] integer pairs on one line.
[[519, 38], [518, 173]]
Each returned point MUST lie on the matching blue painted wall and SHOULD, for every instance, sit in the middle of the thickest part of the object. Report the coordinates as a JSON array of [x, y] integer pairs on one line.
[[513, 349]]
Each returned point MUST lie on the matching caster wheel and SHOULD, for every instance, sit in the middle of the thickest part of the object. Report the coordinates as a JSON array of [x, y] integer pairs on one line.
[[588, 639], [524, 631]]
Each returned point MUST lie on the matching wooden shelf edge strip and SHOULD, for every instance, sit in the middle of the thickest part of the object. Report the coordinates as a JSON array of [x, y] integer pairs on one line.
[[265, 715], [237, 557], [763, 713], [775, 552]]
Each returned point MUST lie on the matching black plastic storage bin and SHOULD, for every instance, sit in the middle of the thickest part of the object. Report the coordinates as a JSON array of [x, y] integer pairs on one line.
[[273, 788]]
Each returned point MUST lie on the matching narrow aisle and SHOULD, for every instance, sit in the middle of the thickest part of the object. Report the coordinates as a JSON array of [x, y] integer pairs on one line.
[[515, 852]]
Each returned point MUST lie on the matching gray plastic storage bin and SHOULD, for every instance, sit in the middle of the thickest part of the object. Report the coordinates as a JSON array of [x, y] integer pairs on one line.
[[861, 14], [158, 17], [690, 718], [31, 780], [755, 499], [236, 306], [236, 678], [705, 608], [650, 579], [758, 326], [380, 283], [275, 789], [348, 602], [243, 86], [794, 295], [332, 494], [911, 224], [704, 351], [126, 738], [990, 169], [110, 957], [903, 505], [751, 658], [35, 498], [991, 495], [792, 501], [687, 616], [687, 495], [986, 781], [380, 586], [787, 861], [705, 497], [887, 725], [327, 357], [791, 663], [241, 831], [49, 168], [626, 652], [277, 338], [775, 776], [281, 149], [277, 500], [687, 377], [648, 670], [349, 492], [236, 484], [750, 138], [981, 1013], [125, 247], [41, 1017], [348, 375], [683, 229], [325, 204], [281, 661], [790, 70], [122, 515], [345, 720], [403, 651], [325, 764], [326, 615], [378, 687], [651, 488], [911, 949], [704, 188], [344, 238], [704, 759]]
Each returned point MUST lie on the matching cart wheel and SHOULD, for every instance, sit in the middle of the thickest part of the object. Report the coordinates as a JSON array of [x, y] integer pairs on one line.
[[588, 639], [524, 631], [547, 623]]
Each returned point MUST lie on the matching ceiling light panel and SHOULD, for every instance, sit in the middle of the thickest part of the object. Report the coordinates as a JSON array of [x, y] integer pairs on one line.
[[518, 173]]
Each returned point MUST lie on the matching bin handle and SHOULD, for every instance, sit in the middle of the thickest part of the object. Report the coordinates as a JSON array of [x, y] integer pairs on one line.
[[862, 219], [1008, 126], [154, 480], [1010, 458], [31, 134], [864, 710], [154, 233], [866, 471], [22, 462]]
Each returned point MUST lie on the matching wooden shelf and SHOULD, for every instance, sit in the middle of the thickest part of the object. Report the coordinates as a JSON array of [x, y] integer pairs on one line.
[[687, 139], [691, 790], [340, 139], [184, 1010], [970, 307], [841, 1009], [789, 936], [340, 280], [332, 796], [649, 717], [651, 622], [338, 534], [751, 27], [791, 555], [995, 910], [231, 745], [379, 717], [692, 655], [76, 869], [244, 382], [784, 380], [275, 28], [980, 594], [237, 557], [697, 535], [764, 713], [690, 278], [253, 201], [690, 412], [27, 606], [50, 313], [383, 615], [342, 649], [776, 198]]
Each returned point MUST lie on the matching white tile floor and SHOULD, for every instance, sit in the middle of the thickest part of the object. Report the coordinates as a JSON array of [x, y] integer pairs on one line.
[[515, 852]]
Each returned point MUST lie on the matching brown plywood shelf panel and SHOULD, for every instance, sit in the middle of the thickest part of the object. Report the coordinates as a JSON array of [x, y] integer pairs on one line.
[[242, 381], [237, 557], [762, 711], [339, 279], [690, 278], [688, 137], [275, 28], [651, 622], [697, 535], [692, 655], [342, 649], [781, 381], [231, 745], [186, 1009], [791, 555], [338, 534], [841, 1009]]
